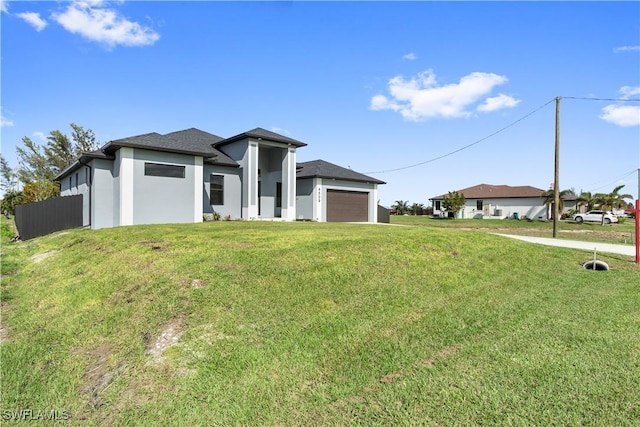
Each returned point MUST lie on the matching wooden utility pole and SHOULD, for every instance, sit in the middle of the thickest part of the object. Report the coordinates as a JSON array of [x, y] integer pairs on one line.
[[556, 172]]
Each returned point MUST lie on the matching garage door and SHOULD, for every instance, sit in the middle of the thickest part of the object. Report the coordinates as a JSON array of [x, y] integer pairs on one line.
[[347, 206]]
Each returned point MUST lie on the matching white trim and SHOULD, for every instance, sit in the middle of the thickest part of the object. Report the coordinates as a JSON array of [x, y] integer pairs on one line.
[[317, 199], [126, 185], [288, 211], [197, 188]]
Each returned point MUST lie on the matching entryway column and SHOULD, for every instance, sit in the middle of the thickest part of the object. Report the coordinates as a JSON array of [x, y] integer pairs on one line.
[[289, 184]]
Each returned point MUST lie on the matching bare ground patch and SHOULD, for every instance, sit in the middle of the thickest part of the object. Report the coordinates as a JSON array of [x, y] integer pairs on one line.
[[100, 374], [169, 337], [38, 258]]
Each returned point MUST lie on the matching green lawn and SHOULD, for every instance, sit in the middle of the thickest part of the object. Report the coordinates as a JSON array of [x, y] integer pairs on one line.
[[623, 233], [260, 323]]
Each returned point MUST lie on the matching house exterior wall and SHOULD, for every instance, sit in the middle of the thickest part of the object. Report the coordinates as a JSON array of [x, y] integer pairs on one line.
[[232, 206], [102, 194], [501, 208], [304, 199], [78, 183], [157, 199]]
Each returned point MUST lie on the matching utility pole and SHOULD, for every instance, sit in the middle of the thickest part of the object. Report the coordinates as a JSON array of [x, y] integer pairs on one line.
[[556, 172]]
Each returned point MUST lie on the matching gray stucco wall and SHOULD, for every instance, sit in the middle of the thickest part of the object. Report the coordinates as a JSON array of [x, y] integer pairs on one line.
[[102, 194], [161, 200], [78, 183], [304, 199], [232, 191]]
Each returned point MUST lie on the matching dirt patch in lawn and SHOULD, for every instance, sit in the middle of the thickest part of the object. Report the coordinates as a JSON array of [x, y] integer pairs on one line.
[[99, 375], [4, 334], [38, 258], [169, 337]]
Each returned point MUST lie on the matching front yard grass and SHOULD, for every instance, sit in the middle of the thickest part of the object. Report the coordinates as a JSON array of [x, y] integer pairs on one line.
[[623, 233], [257, 323]]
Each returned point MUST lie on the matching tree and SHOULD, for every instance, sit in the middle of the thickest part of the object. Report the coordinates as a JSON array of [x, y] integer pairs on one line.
[[401, 207], [10, 200], [8, 177], [586, 199], [416, 208], [549, 199], [453, 202], [39, 165], [611, 200]]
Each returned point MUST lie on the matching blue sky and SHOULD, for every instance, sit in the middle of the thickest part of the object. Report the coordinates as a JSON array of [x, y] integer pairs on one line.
[[375, 86]]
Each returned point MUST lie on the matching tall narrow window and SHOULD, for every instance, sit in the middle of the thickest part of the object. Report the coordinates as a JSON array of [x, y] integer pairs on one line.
[[159, 169], [216, 189], [278, 194], [76, 179], [437, 205], [479, 205]]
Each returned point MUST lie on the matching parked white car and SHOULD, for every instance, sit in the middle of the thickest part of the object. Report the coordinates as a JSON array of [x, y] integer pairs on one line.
[[596, 216]]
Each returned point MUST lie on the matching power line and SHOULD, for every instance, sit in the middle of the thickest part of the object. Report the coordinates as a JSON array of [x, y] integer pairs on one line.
[[614, 181], [466, 146], [600, 99]]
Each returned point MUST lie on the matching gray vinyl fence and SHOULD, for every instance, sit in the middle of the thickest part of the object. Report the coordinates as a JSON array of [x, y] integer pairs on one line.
[[383, 214], [40, 218]]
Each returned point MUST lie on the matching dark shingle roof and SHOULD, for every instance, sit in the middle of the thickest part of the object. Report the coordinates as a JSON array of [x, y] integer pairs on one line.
[[189, 141], [84, 158], [259, 133], [323, 169], [488, 191]]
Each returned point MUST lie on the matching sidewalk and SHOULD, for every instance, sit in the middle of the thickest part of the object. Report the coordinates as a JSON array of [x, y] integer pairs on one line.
[[587, 246]]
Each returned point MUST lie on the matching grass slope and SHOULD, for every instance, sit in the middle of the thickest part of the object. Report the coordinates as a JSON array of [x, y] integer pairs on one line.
[[243, 323]]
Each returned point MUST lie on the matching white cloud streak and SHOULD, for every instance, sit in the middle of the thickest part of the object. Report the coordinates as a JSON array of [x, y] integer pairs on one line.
[[3, 6], [5, 123], [33, 19], [93, 21], [621, 115], [635, 48], [421, 97], [629, 91], [410, 56]]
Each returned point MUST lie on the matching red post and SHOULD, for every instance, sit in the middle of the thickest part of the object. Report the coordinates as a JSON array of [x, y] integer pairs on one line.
[[637, 215]]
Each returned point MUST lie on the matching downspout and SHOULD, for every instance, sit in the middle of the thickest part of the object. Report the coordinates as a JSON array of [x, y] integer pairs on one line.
[[90, 184]]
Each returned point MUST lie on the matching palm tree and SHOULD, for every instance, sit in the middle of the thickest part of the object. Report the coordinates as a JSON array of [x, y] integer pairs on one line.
[[416, 208], [611, 200], [549, 199], [585, 199], [401, 207]]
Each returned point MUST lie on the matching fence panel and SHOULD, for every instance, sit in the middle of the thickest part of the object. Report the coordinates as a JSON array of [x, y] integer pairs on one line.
[[47, 216], [383, 214]]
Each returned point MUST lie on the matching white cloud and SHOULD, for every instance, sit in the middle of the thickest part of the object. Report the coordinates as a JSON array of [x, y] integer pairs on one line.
[[101, 24], [635, 48], [3, 6], [629, 91], [497, 103], [5, 123], [410, 56], [280, 131], [421, 97], [40, 136], [621, 115], [33, 19]]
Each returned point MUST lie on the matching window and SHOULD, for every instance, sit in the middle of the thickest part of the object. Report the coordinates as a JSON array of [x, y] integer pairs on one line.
[[278, 194], [169, 171], [479, 205], [76, 179], [216, 189], [437, 205]]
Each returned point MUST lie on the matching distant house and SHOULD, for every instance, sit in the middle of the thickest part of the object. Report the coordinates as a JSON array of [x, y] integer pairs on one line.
[[497, 202], [187, 175]]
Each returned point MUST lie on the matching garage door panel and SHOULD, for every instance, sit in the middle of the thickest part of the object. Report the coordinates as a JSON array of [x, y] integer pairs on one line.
[[347, 206]]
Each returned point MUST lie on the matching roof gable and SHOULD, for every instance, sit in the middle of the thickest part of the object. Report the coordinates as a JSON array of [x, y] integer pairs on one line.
[[260, 133], [488, 191], [324, 169]]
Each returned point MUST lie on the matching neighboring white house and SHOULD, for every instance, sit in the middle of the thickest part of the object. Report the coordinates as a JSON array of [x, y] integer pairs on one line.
[[187, 175], [498, 202]]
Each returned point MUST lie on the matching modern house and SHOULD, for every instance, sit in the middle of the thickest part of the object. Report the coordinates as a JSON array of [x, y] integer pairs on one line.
[[189, 175], [497, 202]]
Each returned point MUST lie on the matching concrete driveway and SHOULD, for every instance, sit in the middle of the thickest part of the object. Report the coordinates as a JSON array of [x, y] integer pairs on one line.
[[587, 246]]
